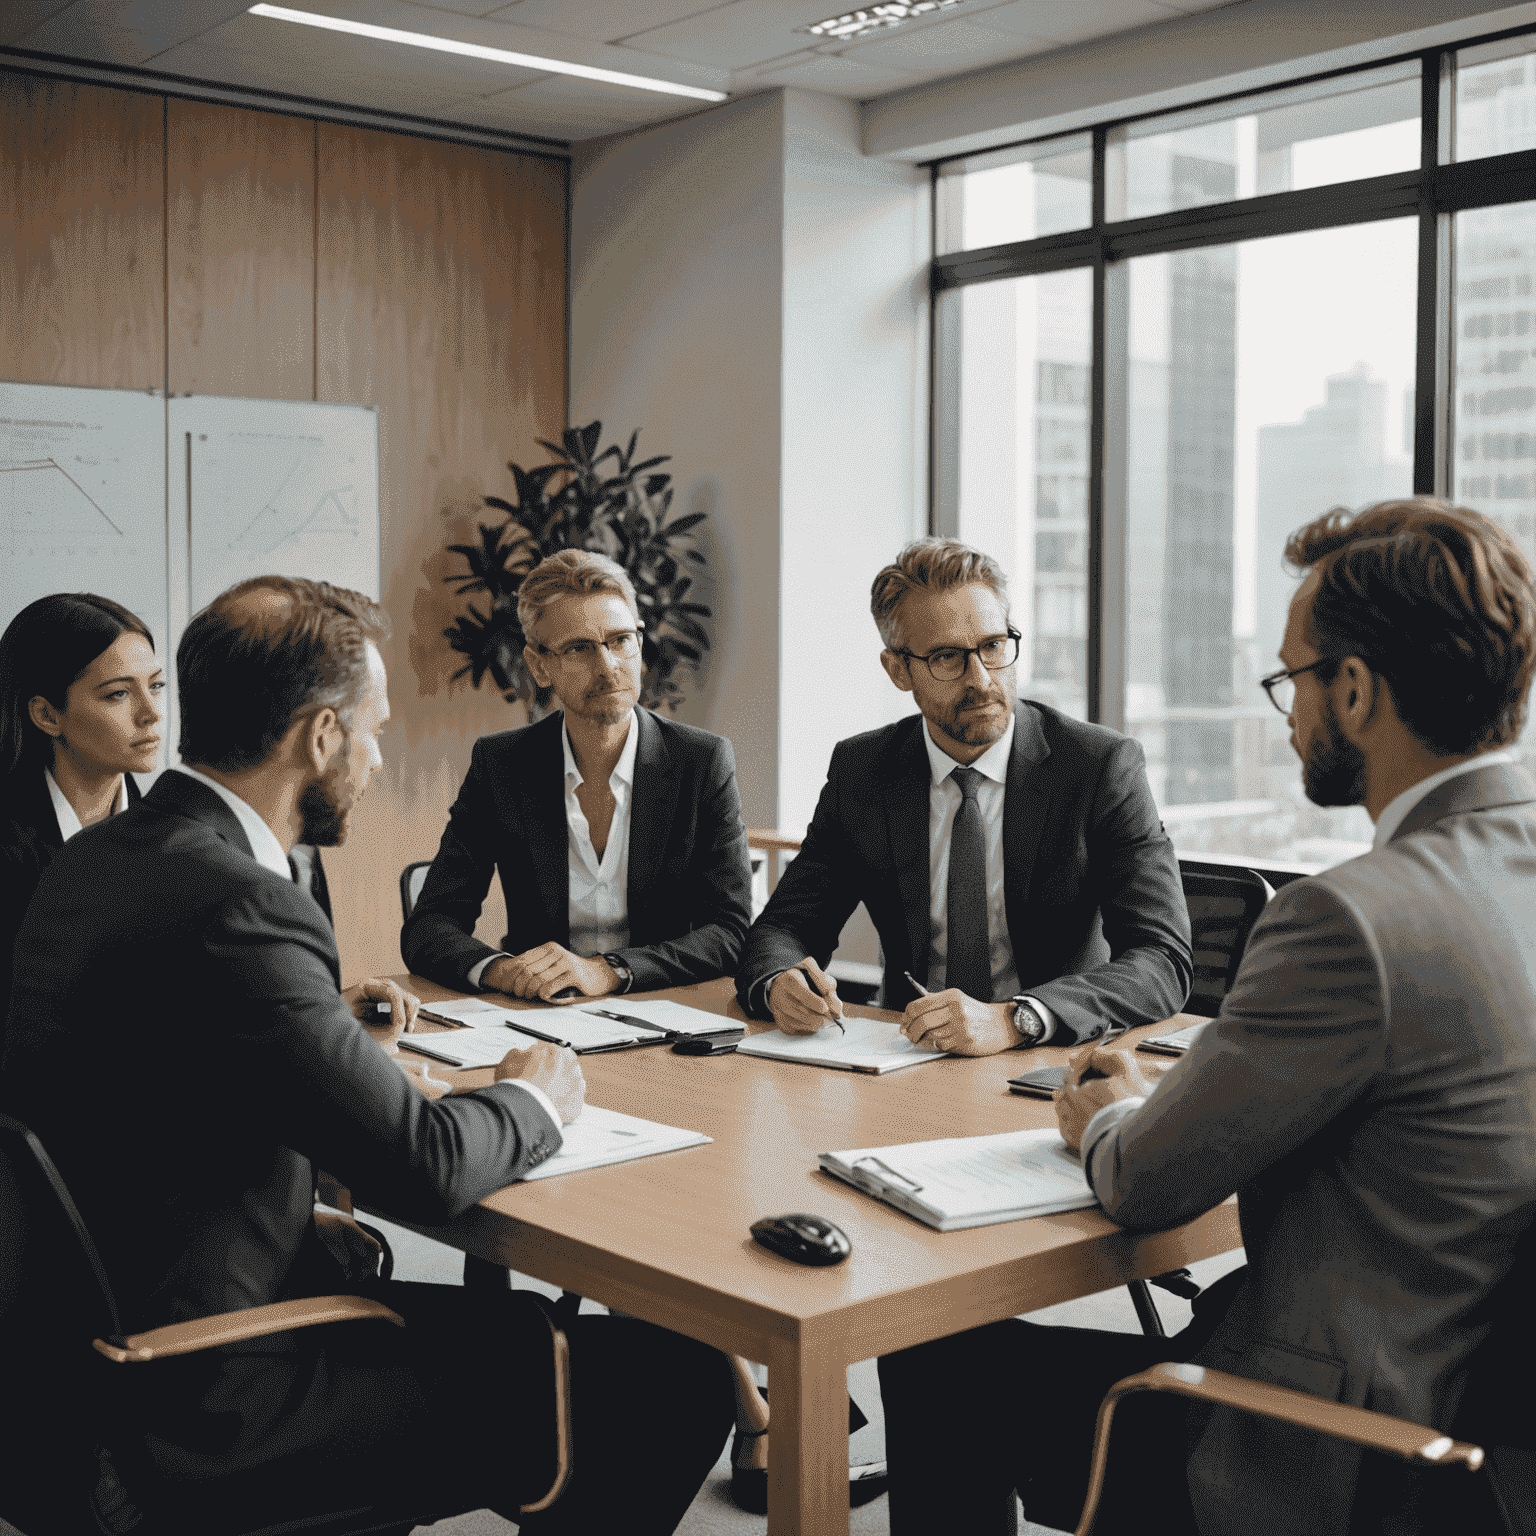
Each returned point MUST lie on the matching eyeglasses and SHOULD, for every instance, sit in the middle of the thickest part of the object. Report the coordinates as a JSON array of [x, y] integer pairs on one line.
[[624, 646], [1281, 685], [950, 662]]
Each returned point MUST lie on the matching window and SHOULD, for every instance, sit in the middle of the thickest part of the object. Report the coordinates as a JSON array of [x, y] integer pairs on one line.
[[1274, 313]]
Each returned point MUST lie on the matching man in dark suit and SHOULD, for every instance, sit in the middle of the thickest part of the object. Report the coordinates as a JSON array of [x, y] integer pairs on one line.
[[1010, 857], [192, 1148], [617, 832], [1368, 1091]]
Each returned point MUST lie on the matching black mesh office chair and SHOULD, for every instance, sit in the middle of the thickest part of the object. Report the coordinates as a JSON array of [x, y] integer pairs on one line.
[[68, 1396], [412, 878], [1224, 903]]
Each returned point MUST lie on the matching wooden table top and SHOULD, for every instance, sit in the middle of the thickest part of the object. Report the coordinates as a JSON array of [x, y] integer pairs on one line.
[[680, 1220]]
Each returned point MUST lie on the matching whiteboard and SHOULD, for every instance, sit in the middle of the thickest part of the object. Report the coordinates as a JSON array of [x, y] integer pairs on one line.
[[275, 487], [162, 504], [82, 499]]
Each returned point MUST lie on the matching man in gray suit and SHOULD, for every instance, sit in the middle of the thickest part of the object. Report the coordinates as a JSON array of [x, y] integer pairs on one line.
[[1368, 1091]]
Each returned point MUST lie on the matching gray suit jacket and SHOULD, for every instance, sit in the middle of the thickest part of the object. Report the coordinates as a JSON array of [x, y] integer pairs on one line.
[[1369, 1091]]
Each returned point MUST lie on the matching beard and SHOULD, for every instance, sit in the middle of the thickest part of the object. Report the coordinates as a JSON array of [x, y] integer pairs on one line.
[[976, 730], [1334, 770], [325, 807]]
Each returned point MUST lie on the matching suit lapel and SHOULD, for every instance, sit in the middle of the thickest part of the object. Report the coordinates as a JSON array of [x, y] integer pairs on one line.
[[906, 819], [543, 787], [652, 806], [1024, 805], [1478, 789]]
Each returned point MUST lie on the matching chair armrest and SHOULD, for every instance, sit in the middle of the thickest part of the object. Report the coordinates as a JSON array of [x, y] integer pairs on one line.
[[1375, 1431], [235, 1327]]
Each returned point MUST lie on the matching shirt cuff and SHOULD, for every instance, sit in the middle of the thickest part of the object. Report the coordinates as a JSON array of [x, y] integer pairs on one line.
[[1046, 1017], [541, 1098], [477, 970], [1104, 1121], [760, 993]]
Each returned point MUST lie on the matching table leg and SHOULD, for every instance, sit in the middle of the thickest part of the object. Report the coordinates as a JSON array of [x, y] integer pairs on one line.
[[807, 1442]]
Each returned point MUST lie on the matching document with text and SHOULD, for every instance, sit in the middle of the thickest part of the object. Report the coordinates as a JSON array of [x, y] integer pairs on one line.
[[598, 1137], [969, 1181], [862, 1045]]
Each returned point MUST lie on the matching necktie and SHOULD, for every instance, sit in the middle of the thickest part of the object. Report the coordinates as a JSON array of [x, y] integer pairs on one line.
[[967, 951]]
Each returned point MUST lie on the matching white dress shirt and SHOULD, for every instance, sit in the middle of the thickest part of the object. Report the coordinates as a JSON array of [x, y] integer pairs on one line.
[[69, 822], [270, 854], [597, 900], [944, 800]]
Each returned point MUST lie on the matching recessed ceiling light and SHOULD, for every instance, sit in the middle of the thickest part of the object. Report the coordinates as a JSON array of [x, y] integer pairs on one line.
[[875, 18], [490, 55]]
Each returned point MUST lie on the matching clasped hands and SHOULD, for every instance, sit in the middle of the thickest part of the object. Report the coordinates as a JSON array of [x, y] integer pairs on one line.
[[549, 969], [1096, 1075]]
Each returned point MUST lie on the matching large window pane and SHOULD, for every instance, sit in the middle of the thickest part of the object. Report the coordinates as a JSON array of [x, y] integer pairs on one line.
[[1268, 382], [1345, 129], [1016, 194], [1021, 463], [1495, 99], [1494, 370]]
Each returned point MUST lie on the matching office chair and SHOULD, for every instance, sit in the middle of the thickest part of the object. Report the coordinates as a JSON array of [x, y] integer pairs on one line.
[[1224, 903], [412, 878], [72, 1414]]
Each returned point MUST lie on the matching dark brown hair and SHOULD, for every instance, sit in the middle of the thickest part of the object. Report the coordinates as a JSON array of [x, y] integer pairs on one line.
[[264, 653], [936, 565], [1437, 600], [45, 650]]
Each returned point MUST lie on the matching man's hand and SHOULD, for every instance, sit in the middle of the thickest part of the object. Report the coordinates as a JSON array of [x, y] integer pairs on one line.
[[551, 1068], [952, 1020], [795, 1007], [1096, 1075], [549, 969], [403, 1008]]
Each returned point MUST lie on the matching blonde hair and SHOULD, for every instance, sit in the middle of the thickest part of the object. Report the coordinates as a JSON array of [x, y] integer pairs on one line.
[[936, 565], [566, 573]]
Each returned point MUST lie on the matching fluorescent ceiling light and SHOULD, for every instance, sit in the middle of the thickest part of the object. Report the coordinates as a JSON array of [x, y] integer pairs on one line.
[[477, 51], [872, 18]]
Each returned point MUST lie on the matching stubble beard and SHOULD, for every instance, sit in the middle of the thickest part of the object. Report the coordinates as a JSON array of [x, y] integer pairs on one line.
[[976, 732], [1334, 770], [325, 809]]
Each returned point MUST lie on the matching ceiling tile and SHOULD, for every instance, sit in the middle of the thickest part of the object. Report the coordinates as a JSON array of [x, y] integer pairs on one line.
[[834, 75], [557, 108], [603, 21], [1070, 21], [948, 45], [736, 36], [18, 17], [126, 33]]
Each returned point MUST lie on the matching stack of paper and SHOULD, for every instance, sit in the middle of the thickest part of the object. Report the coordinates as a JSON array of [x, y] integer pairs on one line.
[[969, 1181], [676, 1020], [862, 1045], [598, 1137], [600, 1024]]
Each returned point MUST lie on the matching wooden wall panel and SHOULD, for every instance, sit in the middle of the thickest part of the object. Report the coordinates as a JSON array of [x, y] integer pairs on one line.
[[240, 252], [82, 292], [441, 301]]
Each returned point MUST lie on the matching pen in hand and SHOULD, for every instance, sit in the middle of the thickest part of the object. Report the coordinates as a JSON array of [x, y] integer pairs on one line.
[[916, 985], [810, 981]]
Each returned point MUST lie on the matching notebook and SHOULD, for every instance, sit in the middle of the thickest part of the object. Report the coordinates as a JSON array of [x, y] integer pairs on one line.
[[969, 1181], [864, 1045], [573, 1027]]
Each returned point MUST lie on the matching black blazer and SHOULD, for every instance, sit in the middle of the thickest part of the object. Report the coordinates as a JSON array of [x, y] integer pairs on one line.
[[689, 894], [1095, 907], [29, 838], [193, 1155]]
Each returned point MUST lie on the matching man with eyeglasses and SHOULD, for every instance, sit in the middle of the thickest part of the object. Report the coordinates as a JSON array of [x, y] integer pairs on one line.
[[616, 831], [1010, 857]]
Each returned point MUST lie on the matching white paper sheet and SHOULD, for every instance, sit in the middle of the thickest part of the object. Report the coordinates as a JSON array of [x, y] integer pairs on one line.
[[599, 1137], [679, 1018], [868, 1045]]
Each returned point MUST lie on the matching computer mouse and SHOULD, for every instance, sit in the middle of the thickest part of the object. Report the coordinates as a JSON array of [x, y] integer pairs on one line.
[[803, 1238]]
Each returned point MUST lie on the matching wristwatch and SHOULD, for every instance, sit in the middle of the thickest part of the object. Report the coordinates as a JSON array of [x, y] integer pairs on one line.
[[1027, 1021], [619, 969]]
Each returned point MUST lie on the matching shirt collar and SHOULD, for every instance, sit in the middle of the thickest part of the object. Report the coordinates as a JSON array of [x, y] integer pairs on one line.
[[993, 762], [1397, 809], [265, 848], [64, 812], [623, 770]]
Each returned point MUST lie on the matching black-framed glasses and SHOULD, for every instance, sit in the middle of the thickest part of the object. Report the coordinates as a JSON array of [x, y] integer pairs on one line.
[[1281, 685], [950, 661], [623, 646]]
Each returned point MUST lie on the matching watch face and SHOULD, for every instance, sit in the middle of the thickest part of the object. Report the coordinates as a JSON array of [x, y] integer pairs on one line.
[[1026, 1021]]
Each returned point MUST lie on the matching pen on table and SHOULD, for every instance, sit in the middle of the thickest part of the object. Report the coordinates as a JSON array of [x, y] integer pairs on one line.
[[810, 981]]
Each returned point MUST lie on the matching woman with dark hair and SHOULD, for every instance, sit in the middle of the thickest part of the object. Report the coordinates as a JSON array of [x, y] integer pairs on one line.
[[80, 713]]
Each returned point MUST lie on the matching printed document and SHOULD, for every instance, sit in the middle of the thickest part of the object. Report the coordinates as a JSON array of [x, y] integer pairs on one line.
[[864, 1045], [597, 1137]]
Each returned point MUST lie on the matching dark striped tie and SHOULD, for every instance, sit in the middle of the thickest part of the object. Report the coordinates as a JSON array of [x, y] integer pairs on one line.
[[967, 951]]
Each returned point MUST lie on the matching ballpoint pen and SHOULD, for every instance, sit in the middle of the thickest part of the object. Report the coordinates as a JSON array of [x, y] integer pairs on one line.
[[811, 983], [917, 986]]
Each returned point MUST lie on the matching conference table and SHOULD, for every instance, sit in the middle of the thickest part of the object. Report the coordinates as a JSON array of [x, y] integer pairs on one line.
[[666, 1238]]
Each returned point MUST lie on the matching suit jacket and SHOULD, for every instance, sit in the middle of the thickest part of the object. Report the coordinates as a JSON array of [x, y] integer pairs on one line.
[[1369, 1090], [689, 896], [29, 838], [178, 1041], [1095, 908]]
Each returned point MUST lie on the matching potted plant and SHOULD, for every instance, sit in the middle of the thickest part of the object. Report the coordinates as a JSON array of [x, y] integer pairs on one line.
[[584, 499]]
